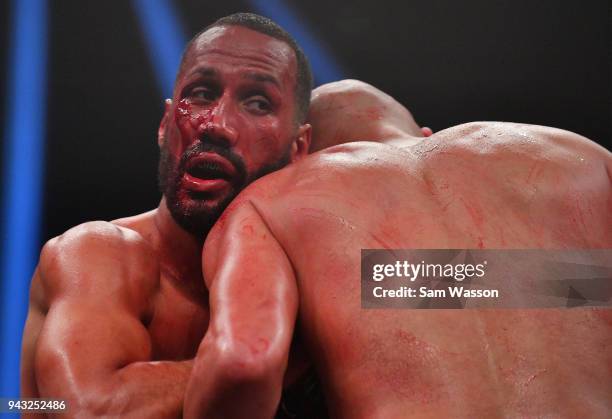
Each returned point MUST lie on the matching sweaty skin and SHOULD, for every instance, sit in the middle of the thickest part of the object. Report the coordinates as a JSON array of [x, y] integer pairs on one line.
[[118, 310], [478, 185]]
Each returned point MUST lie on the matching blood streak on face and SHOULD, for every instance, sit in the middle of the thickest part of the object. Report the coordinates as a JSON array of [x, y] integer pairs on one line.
[[184, 115], [231, 121]]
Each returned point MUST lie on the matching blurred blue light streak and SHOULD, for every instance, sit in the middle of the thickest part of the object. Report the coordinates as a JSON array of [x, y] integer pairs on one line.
[[165, 39], [22, 175]]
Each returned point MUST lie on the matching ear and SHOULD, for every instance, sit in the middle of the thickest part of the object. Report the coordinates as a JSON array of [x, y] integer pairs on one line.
[[301, 143], [164, 122]]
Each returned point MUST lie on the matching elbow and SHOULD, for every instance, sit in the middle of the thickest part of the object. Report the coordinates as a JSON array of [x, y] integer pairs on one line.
[[251, 363], [233, 378], [244, 362]]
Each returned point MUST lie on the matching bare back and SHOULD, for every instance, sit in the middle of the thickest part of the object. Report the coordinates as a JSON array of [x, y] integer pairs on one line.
[[479, 185]]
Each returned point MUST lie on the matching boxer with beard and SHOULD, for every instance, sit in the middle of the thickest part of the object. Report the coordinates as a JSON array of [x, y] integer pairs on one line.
[[289, 245], [118, 309]]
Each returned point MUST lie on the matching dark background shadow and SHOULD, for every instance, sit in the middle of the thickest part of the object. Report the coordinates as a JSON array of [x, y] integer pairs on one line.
[[544, 62]]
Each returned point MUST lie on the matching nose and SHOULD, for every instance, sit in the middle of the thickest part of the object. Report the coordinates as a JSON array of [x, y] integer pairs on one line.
[[221, 128]]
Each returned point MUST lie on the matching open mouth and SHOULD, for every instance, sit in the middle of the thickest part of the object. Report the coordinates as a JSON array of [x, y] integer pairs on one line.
[[208, 172], [210, 166]]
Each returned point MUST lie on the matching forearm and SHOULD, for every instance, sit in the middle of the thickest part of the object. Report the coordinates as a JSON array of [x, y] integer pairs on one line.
[[138, 390]]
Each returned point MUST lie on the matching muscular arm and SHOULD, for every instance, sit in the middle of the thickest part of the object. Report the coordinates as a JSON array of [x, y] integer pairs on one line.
[[239, 369], [85, 338]]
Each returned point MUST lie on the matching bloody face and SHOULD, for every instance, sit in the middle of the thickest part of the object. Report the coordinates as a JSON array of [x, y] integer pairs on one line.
[[232, 120]]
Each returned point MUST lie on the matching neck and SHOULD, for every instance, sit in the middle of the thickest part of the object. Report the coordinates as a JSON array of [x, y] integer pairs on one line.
[[180, 251]]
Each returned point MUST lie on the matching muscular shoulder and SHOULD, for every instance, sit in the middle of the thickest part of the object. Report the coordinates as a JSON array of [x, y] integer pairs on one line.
[[510, 151], [505, 175], [97, 258], [513, 139]]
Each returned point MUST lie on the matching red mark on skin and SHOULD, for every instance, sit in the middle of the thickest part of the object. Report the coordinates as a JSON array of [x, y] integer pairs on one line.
[[184, 108], [374, 113], [580, 214], [426, 349], [222, 220], [413, 379], [502, 237], [532, 172], [480, 243], [186, 114], [420, 349], [474, 212], [605, 314], [247, 229], [259, 346]]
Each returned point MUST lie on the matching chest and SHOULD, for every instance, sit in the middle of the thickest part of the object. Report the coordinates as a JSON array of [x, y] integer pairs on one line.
[[178, 323]]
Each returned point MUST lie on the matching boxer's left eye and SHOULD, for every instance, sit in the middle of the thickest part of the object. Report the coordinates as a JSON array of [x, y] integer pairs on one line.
[[258, 105]]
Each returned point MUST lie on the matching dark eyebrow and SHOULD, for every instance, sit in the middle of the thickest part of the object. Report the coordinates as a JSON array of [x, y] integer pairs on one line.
[[262, 77]]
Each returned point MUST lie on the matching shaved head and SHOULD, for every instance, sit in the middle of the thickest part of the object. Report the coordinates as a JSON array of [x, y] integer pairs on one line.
[[351, 110]]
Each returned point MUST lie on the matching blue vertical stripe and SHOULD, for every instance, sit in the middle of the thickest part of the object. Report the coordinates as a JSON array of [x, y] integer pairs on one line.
[[22, 176], [165, 39], [324, 66]]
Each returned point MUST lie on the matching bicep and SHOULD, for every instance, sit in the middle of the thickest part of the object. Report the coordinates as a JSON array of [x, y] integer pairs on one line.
[[96, 282]]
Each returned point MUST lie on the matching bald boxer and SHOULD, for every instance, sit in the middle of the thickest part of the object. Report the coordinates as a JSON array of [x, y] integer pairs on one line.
[[290, 245], [118, 309]]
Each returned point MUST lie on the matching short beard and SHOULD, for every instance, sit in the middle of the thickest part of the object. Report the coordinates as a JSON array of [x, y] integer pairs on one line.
[[198, 216]]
